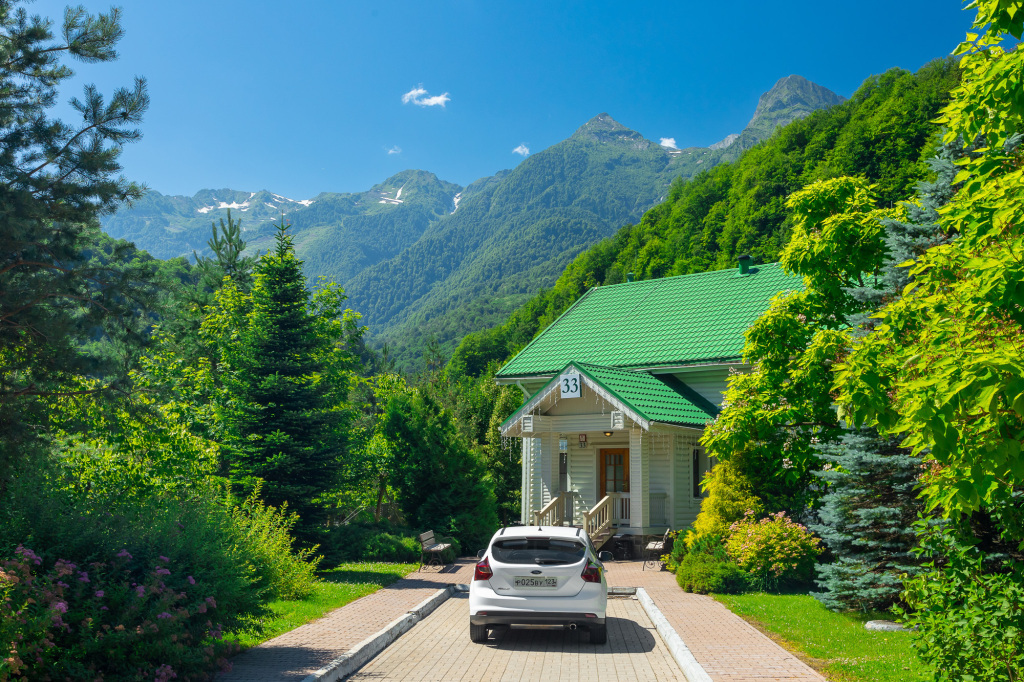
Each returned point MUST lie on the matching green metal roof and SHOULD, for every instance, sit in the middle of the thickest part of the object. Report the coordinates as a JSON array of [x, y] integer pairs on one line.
[[681, 320], [650, 397]]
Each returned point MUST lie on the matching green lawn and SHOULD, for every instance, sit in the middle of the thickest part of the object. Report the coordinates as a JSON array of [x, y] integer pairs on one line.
[[837, 643], [338, 587]]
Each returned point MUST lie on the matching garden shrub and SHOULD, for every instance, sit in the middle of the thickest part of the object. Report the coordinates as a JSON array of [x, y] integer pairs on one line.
[[120, 618], [706, 573], [967, 612], [264, 538], [378, 542], [729, 498], [772, 550]]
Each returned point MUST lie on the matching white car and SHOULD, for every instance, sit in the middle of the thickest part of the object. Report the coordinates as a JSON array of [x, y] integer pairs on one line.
[[548, 575]]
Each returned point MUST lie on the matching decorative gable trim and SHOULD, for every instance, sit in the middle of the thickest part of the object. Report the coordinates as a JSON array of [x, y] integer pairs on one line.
[[523, 421]]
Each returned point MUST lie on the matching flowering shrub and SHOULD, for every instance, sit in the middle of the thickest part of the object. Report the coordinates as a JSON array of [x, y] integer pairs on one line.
[[118, 619], [772, 550]]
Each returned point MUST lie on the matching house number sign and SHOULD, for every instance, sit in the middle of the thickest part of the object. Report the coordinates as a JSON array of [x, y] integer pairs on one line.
[[570, 385]]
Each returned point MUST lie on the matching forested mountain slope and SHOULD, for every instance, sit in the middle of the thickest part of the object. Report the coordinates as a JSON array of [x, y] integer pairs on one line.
[[337, 234], [882, 133], [425, 259], [513, 237]]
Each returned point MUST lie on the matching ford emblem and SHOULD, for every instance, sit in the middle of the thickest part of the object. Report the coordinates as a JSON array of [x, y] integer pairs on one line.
[[536, 572]]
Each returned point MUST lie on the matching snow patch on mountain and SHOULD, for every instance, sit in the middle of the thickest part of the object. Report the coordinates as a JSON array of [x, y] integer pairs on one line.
[[455, 201]]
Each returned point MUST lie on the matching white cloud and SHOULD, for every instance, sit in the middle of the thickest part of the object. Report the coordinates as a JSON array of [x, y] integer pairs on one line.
[[522, 150], [417, 96], [394, 150], [669, 142]]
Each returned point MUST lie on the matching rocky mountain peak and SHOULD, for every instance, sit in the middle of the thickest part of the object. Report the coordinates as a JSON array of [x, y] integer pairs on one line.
[[793, 97], [604, 128]]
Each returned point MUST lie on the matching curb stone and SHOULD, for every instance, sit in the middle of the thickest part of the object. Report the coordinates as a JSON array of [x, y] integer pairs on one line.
[[693, 670], [362, 653]]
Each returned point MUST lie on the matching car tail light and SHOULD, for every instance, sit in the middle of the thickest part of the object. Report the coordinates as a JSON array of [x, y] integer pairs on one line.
[[592, 573], [483, 570]]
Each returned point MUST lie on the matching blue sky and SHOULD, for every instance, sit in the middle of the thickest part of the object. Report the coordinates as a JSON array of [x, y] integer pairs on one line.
[[307, 96]]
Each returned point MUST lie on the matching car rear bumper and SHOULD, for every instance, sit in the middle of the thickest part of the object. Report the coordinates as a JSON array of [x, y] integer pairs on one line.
[[535, 618]]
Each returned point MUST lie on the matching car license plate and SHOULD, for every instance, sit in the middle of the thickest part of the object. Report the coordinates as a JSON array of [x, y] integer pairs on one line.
[[531, 582]]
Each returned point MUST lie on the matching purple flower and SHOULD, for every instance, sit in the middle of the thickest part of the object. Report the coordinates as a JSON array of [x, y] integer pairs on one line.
[[164, 559], [104, 608], [165, 673], [100, 593], [191, 580], [62, 584], [162, 571], [164, 615], [124, 554], [140, 590], [28, 554], [83, 577], [60, 607], [211, 602]]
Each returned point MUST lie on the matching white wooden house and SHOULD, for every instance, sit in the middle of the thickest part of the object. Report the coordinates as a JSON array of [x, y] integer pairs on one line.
[[618, 391]]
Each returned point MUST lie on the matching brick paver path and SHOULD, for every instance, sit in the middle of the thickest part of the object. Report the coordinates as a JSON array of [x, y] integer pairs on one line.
[[439, 649], [729, 648], [308, 648]]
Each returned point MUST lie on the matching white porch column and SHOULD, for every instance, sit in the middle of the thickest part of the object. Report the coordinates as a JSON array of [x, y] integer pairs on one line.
[[525, 514], [639, 481]]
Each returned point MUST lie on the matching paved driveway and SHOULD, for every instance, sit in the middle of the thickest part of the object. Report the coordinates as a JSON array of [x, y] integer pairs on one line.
[[438, 648]]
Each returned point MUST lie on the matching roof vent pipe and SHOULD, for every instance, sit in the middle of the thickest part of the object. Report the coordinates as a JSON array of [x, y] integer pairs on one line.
[[629, 276], [745, 263]]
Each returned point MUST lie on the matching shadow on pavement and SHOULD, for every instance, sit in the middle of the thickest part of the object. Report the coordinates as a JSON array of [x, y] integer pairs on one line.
[[624, 635]]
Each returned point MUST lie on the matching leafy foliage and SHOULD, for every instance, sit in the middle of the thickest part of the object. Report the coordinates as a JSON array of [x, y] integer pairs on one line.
[[944, 366], [441, 482], [970, 617], [772, 550], [119, 617]]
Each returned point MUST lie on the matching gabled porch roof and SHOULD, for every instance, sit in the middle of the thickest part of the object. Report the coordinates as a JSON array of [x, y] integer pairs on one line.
[[642, 397]]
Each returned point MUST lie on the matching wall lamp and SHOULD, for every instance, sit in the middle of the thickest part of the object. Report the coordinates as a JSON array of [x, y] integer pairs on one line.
[[609, 433]]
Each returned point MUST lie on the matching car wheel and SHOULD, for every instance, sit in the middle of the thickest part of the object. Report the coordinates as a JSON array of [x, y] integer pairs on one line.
[[478, 633], [598, 634]]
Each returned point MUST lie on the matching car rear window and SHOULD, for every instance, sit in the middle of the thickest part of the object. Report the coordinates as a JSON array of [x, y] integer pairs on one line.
[[538, 551]]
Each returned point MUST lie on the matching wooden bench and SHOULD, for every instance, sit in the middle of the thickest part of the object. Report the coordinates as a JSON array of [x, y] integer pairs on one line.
[[430, 547]]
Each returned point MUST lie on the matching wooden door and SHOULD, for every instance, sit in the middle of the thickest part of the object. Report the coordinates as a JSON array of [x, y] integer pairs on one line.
[[614, 471]]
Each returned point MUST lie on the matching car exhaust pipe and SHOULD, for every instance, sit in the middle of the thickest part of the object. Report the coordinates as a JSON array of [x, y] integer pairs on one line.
[[572, 627]]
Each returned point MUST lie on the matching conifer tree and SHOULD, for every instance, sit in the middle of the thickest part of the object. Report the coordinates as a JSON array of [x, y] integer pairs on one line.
[[867, 521], [286, 379], [55, 180]]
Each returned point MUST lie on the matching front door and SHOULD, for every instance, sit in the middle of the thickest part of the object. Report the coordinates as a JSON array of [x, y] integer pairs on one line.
[[614, 471], [615, 481]]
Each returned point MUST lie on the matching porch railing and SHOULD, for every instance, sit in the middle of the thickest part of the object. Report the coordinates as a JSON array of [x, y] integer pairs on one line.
[[553, 512], [599, 519]]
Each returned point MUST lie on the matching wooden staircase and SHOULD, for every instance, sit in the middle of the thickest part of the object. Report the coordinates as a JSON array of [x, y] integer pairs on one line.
[[597, 522]]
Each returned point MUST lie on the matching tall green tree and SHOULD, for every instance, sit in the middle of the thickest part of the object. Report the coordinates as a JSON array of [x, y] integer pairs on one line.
[[287, 370], [867, 515], [441, 482], [774, 415], [55, 180], [944, 370]]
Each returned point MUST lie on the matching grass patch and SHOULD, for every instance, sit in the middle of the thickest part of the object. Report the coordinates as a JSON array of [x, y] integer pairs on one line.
[[336, 587], [836, 644]]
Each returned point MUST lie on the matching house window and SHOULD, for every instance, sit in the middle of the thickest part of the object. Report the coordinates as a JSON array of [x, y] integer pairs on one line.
[[700, 466]]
